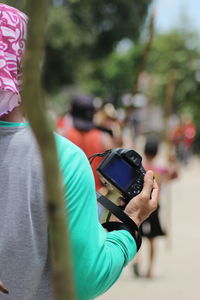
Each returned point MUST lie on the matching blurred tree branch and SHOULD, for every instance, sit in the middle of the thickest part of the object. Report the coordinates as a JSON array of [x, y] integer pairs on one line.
[[144, 54], [33, 101]]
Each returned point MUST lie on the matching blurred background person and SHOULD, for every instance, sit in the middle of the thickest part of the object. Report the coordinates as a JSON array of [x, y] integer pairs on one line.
[[106, 119], [82, 132], [63, 122], [152, 227], [183, 137]]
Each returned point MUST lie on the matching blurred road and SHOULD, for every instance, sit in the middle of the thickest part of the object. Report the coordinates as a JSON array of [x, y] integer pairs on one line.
[[177, 266]]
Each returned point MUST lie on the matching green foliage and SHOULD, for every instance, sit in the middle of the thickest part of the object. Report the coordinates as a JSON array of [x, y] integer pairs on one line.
[[172, 54], [62, 45], [175, 54], [108, 21], [115, 75], [80, 33]]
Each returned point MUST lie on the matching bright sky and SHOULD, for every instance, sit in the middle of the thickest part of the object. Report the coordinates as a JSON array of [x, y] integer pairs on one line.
[[169, 13]]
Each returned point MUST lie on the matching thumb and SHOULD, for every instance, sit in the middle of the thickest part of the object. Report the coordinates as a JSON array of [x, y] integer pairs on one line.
[[148, 184]]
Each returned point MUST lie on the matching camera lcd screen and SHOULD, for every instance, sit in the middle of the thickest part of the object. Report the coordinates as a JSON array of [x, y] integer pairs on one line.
[[120, 172]]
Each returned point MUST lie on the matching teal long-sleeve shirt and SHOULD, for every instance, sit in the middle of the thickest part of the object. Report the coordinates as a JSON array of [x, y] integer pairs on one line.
[[98, 257]]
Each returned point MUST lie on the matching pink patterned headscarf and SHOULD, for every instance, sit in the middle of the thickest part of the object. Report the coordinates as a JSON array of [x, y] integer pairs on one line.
[[13, 29]]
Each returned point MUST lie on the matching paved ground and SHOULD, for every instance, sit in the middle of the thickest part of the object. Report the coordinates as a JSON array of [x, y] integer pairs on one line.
[[177, 266]]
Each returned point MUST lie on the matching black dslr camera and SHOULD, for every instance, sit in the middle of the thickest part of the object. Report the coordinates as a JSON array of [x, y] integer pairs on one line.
[[123, 169]]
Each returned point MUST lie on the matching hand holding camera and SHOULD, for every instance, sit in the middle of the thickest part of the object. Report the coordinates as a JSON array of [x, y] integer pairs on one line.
[[122, 168], [140, 207]]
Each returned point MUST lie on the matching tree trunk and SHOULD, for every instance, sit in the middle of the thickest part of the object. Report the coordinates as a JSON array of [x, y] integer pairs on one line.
[[33, 103]]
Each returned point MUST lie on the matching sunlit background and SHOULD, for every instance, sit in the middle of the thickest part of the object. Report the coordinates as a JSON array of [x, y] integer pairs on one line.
[[141, 62]]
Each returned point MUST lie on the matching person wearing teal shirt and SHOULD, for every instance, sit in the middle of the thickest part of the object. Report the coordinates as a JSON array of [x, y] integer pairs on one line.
[[98, 257]]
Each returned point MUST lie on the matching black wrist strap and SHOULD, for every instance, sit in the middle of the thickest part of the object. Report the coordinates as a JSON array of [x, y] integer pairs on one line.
[[128, 224], [110, 226]]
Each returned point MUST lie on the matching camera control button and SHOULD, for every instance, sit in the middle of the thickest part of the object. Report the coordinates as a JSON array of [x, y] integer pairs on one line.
[[139, 181], [137, 186]]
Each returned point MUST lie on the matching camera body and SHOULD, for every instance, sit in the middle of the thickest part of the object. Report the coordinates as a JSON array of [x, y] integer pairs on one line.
[[123, 169]]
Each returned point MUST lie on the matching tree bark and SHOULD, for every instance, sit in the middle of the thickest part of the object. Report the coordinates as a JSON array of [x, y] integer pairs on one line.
[[33, 104]]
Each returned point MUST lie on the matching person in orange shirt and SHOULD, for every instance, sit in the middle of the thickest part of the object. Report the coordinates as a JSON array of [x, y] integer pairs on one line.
[[86, 136]]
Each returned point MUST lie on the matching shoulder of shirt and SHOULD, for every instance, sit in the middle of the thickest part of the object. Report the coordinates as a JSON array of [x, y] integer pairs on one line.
[[64, 146], [72, 160]]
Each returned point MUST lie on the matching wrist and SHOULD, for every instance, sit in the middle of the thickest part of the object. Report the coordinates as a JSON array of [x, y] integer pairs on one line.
[[137, 220], [135, 217], [110, 226]]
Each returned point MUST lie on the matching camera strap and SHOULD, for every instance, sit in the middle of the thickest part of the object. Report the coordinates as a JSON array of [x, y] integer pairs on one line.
[[128, 224]]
